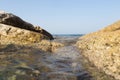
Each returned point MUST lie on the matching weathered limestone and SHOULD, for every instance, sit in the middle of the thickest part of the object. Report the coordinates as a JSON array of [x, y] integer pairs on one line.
[[13, 30], [102, 48], [10, 34], [23, 48], [15, 21]]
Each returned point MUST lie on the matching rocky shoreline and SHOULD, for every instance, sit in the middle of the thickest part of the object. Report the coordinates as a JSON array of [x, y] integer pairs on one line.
[[15, 21], [28, 52], [102, 49], [14, 30], [21, 44]]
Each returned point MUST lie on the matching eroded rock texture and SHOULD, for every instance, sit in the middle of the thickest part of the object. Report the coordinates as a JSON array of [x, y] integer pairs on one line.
[[15, 21], [102, 48]]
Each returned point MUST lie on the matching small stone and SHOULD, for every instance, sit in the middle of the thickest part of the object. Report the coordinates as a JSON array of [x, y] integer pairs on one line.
[[36, 71]]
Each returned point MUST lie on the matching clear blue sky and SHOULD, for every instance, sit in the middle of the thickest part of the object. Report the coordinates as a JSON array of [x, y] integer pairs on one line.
[[65, 16]]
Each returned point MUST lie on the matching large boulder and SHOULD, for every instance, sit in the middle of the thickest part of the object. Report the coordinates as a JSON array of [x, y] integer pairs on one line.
[[13, 30], [15, 21], [102, 48], [10, 34], [23, 49]]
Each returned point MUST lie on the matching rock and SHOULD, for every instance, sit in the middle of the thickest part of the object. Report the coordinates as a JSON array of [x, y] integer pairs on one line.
[[22, 47], [102, 48], [13, 20], [10, 34], [13, 30], [49, 45], [113, 27]]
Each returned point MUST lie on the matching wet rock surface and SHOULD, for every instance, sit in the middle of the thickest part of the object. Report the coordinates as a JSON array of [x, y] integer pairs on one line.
[[102, 49], [30, 63]]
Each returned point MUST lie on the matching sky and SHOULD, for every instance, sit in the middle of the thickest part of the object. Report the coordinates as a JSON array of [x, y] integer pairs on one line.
[[65, 16]]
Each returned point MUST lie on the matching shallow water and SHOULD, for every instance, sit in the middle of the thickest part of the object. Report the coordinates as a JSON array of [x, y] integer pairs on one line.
[[64, 64], [28, 63]]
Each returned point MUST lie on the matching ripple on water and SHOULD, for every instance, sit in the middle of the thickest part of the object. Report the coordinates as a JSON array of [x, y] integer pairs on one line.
[[65, 65]]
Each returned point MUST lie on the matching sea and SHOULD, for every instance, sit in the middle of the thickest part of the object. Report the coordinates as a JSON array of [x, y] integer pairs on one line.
[[65, 63], [67, 38]]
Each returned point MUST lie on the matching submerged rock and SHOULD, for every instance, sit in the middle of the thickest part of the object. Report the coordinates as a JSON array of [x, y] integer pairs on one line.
[[102, 48]]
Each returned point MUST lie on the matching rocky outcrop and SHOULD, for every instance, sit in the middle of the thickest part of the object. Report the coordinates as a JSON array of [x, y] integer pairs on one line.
[[10, 34], [102, 48], [15, 21], [23, 48], [13, 30]]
